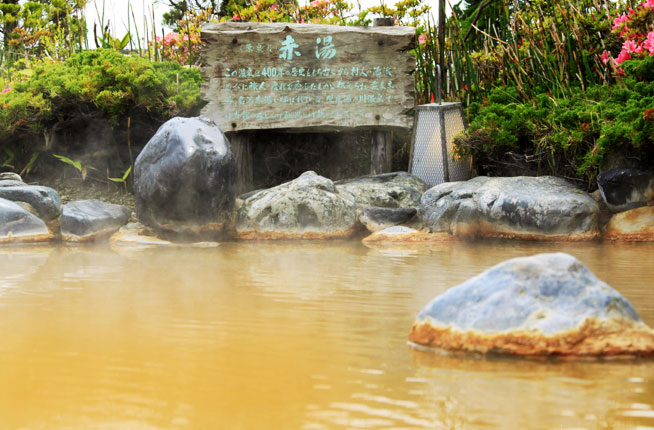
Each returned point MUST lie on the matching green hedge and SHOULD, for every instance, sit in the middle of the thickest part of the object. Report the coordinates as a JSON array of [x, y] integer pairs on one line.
[[101, 81], [576, 137]]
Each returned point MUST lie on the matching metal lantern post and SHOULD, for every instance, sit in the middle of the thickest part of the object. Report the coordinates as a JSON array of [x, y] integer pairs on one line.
[[434, 128]]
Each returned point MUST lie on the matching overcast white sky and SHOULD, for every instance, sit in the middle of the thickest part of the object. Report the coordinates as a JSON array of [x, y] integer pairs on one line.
[[116, 12]]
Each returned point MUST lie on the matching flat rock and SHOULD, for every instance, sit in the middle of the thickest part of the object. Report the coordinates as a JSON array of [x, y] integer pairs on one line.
[[185, 179], [18, 225], [547, 304], [86, 220], [377, 219], [388, 190], [533, 208], [136, 235], [44, 200], [635, 225], [625, 188], [401, 233], [305, 208]]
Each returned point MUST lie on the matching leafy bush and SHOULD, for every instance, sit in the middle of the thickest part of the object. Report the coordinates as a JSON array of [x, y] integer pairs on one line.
[[573, 137], [103, 80]]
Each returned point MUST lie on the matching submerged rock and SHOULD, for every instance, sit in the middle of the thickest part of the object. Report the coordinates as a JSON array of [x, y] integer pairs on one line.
[[633, 225], [547, 304], [135, 234], [388, 190], [44, 200], [376, 218], [400, 233], [544, 208], [18, 225], [623, 189], [86, 220], [305, 208], [185, 178]]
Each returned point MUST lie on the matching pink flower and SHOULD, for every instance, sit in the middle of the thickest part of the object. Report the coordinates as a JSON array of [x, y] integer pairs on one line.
[[630, 46], [617, 22], [236, 18], [605, 57], [274, 7], [648, 3], [624, 55], [649, 43], [6, 90], [421, 39]]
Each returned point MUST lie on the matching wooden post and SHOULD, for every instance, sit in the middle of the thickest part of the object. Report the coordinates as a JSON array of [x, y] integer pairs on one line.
[[381, 153], [242, 150]]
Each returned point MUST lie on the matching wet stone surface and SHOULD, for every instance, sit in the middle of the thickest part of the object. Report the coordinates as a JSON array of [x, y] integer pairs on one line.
[[547, 304], [18, 225], [92, 219]]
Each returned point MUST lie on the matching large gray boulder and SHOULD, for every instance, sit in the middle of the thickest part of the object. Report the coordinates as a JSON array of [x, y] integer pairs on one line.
[[623, 189], [87, 220], [308, 207], [44, 200], [185, 178], [547, 304], [518, 207], [388, 190], [18, 225]]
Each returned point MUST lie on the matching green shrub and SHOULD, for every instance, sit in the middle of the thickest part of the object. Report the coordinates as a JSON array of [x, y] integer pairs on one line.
[[574, 137], [102, 81]]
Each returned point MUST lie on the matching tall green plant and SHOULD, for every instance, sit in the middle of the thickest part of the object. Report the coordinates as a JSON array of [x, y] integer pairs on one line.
[[548, 46]]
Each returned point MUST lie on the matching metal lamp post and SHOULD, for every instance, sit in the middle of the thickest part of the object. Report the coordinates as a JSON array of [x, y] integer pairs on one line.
[[434, 128]]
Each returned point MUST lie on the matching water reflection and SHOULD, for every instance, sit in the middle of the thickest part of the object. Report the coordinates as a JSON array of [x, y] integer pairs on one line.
[[289, 336]]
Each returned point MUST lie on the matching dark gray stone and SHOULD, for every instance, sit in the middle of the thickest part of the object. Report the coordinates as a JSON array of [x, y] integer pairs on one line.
[[520, 207], [185, 178], [44, 200], [623, 189], [388, 190], [543, 304], [306, 208], [18, 225], [92, 219], [376, 218]]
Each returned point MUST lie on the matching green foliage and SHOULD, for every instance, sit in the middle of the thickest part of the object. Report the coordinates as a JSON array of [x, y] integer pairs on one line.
[[537, 46], [573, 137], [180, 8], [103, 80], [123, 179]]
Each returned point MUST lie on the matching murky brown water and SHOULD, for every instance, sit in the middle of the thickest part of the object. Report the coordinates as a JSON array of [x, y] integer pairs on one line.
[[287, 336]]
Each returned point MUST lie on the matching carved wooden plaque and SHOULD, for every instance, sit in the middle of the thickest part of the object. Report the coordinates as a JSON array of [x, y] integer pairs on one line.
[[306, 76]]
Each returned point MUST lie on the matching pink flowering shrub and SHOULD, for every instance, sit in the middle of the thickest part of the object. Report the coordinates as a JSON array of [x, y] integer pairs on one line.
[[636, 29], [176, 47]]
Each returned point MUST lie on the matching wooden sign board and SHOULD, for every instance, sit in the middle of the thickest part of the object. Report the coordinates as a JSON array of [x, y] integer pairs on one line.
[[306, 76]]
